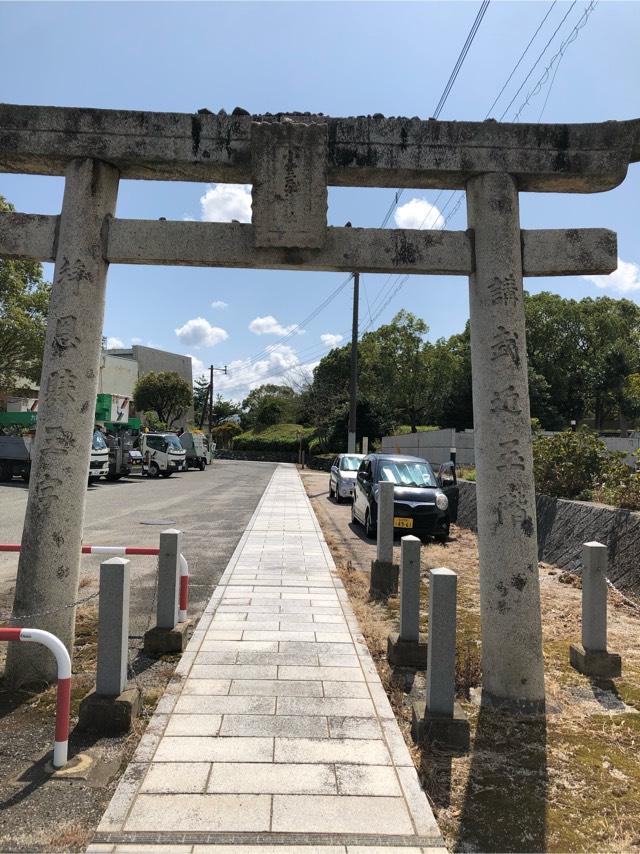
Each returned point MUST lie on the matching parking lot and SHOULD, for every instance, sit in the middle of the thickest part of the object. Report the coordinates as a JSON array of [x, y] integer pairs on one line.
[[211, 507]]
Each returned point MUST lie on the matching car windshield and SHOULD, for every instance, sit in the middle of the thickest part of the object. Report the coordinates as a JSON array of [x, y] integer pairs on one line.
[[407, 473], [98, 443], [350, 463], [173, 442]]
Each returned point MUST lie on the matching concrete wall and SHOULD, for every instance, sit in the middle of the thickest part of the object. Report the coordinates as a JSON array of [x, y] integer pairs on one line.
[[149, 359], [118, 375], [563, 526], [433, 445]]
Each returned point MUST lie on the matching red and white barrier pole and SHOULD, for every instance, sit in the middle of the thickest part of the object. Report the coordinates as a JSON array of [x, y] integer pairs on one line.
[[63, 699], [96, 550], [184, 589]]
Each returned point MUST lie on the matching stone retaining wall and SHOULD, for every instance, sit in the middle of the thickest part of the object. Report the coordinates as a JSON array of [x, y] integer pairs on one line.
[[563, 526]]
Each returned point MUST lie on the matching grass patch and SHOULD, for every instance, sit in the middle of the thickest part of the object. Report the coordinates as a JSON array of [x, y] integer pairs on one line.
[[276, 437]]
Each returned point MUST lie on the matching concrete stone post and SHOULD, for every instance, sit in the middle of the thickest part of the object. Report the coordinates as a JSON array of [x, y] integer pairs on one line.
[[384, 573], [111, 707], [384, 552], [168, 635], [592, 658], [509, 589], [404, 648], [169, 579], [113, 627], [442, 720], [50, 557], [365, 445]]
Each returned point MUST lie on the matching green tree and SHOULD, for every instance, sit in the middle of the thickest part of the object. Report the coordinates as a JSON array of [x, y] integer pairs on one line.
[[394, 365], [200, 397], [269, 404], [164, 392], [24, 304]]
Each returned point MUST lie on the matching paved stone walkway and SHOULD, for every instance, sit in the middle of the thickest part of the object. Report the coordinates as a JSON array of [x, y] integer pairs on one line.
[[276, 734]]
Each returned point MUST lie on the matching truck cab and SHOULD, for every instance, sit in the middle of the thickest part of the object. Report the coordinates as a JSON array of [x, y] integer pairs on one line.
[[162, 454], [99, 463]]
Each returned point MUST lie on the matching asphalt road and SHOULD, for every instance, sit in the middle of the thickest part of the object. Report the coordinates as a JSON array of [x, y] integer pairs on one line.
[[212, 509]]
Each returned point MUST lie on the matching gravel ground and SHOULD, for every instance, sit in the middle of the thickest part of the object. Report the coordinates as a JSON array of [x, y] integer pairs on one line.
[[212, 508]]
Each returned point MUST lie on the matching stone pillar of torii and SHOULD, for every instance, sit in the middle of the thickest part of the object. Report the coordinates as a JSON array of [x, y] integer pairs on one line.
[[290, 159]]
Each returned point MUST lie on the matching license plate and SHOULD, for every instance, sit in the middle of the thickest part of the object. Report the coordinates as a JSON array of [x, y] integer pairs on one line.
[[399, 522]]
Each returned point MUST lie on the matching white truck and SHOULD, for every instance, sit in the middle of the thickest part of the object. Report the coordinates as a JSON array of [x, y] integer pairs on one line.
[[195, 445], [99, 463], [16, 450], [162, 454]]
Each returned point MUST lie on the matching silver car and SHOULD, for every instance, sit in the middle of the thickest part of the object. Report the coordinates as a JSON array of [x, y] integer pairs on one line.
[[343, 476]]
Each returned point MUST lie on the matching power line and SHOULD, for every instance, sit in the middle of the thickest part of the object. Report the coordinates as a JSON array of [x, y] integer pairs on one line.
[[535, 64], [441, 103], [446, 92], [522, 56], [395, 289]]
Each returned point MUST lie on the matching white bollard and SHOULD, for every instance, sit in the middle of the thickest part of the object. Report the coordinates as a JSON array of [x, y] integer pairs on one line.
[[592, 657], [113, 627], [594, 597], [443, 720], [441, 661], [384, 552], [410, 589], [405, 648], [169, 579]]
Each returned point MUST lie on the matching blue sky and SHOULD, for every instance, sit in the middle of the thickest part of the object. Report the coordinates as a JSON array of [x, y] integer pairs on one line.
[[338, 58]]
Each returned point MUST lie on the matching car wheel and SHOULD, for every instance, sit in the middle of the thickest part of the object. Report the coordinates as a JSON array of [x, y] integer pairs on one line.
[[153, 470], [443, 536], [336, 494], [369, 527], [166, 473], [330, 489], [354, 518], [202, 464]]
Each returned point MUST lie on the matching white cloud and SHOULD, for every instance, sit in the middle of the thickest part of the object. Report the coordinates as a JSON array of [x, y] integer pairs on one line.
[[200, 333], [219, 304], [623, 280], [136, 340], [114, 343], [242, 376], [198, 367], [225, 202], [331, 340], [418, 213], [269, 326]]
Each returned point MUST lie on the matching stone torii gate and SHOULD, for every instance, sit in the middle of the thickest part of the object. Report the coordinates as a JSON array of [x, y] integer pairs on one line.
[[290, 160]]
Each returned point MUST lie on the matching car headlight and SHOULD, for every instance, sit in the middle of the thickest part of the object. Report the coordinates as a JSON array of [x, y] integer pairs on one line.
[[442, 502]]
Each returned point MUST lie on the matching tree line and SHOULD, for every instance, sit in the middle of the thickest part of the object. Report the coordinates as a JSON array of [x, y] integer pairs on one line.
[[584, 366]]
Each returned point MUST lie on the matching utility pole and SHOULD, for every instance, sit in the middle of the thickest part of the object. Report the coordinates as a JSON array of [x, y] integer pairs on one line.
[[351, 444], [209, 402]]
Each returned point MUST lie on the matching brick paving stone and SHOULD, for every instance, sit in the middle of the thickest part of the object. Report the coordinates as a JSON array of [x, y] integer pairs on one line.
[[205, 812], [275, 736], [343, 814], [176, 777], [367, 780], [276, 725], [263, 778], [205, 749], [275, 688]]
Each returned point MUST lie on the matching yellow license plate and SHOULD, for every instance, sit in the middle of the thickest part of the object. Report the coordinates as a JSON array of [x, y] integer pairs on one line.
[[398, 522]]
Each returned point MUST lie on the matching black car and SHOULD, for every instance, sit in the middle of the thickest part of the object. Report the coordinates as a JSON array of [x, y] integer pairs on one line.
[[420, 506]]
